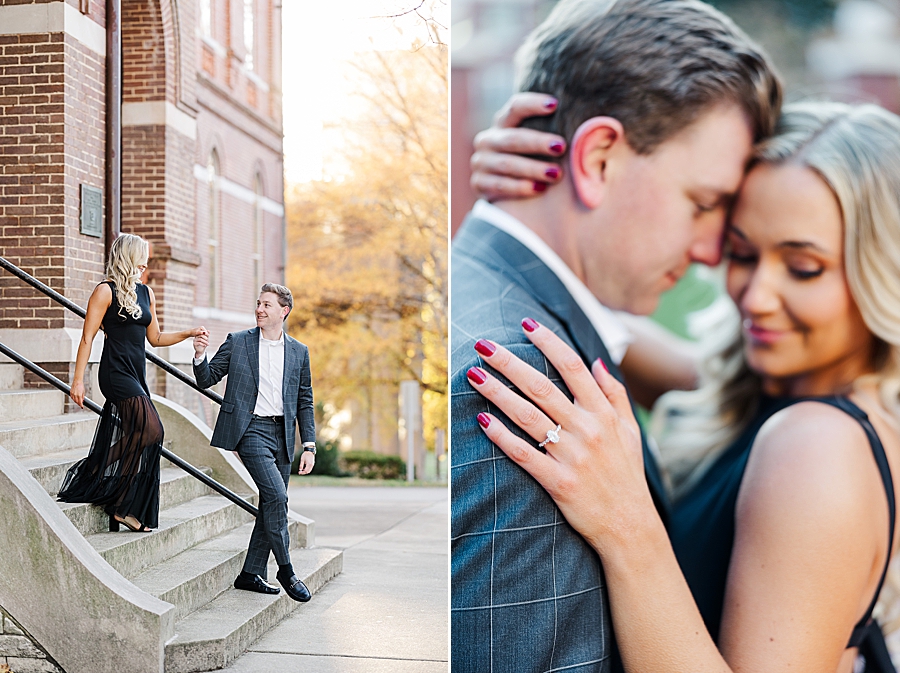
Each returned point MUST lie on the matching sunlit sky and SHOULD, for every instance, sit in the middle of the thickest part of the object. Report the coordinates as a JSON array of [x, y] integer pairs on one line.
[[318, 37]]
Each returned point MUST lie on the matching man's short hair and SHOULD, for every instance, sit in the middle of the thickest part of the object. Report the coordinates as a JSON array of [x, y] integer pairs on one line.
[[654, 65], [285, 298]]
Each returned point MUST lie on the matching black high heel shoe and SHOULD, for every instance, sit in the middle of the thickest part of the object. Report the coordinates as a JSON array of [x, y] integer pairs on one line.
[[115, 521]]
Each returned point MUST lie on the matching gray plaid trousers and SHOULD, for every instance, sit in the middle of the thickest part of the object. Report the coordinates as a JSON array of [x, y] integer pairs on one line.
[[263, 452]]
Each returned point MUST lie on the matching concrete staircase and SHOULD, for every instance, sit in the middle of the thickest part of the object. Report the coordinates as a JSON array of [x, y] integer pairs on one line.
[[190, 560]]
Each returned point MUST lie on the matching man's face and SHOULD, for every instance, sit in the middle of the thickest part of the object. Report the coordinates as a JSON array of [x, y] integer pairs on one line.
[[269, 313], [664, 210]]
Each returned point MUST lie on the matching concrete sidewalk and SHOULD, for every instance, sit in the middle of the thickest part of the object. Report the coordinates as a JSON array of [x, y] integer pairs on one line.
[[387, 611]]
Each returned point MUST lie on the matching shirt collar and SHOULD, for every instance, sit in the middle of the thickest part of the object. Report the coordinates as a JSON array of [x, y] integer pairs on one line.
[[270, 342], [608, 325]]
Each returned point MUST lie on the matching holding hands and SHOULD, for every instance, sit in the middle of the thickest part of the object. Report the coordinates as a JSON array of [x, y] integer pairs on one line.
[[593, 466], [201, 341]]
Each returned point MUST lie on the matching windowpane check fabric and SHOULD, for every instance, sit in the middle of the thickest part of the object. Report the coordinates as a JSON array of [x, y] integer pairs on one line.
[[527, 592]]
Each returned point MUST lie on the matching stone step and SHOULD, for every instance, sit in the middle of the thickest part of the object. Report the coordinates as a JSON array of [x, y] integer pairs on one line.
[[12, 376], [216, 634], [175, 487], [49, 469], [180, 528], [22, 405], [196, 576], [52, 434]]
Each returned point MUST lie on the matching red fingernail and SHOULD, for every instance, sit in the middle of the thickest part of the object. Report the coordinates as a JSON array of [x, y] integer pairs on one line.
[[476, 375], [551, 103], [603, 364], [552, 173], [484, 420], [557, 147], [529, 325], [540, 187], [485, 348]]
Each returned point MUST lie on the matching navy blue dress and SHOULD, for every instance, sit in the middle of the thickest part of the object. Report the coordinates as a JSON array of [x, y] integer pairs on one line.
[[121, 472], [702, 525]]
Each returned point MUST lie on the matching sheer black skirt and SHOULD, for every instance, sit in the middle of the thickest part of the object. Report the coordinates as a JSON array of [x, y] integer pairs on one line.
[[121, 472]]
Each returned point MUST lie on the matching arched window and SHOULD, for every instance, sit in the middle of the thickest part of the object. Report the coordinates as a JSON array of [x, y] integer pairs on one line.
[[249, 31], [257, 232], [214, 229]]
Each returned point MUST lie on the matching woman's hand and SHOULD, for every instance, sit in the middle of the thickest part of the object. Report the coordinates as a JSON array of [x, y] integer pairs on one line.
[[197, 331], [76, 392], [498, 172], [595, 471]]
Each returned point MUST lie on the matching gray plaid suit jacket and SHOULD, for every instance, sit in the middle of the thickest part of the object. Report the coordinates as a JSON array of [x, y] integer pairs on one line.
[[527, 592], [238, 357]]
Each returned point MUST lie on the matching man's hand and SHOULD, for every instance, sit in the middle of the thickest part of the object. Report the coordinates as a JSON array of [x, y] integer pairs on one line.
[[201, 342], [307, 460]]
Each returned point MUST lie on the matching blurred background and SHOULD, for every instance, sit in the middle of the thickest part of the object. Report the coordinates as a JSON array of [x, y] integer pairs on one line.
[[846, 50], [365, 125]]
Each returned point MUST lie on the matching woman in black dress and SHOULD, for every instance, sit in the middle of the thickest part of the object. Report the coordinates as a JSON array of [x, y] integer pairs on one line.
[[121, 472], [780, 539]]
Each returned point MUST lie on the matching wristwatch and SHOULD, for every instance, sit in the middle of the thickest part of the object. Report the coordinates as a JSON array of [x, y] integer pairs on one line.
[[310, 447]]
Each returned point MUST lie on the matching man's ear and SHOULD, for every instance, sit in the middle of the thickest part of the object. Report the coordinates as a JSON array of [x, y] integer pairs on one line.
[[591, 147]]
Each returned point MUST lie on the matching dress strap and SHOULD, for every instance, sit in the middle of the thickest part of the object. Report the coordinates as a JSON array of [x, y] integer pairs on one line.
[[844, 404]]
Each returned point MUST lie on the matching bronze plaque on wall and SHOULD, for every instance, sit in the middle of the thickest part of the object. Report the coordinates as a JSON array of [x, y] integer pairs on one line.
[[91, 211]]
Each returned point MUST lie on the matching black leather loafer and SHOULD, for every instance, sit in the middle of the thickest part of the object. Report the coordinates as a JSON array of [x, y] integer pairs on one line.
[[257, 584], [294, 588]]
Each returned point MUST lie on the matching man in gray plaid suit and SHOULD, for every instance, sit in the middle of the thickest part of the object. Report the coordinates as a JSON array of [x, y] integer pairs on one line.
[[659, 102], [268, 391]]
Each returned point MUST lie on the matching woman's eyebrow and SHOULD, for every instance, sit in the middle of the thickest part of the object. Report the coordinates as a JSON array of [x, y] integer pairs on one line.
[[803, 245]]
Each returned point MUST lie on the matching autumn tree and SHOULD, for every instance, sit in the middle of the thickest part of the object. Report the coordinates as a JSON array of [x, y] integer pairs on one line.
[[367, 250]]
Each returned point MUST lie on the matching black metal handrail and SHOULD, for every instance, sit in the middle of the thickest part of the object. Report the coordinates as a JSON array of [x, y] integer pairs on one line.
[[168, 455], [77, 310]]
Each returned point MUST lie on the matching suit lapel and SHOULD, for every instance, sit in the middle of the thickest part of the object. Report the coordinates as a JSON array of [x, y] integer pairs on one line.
[[497, 249], [289, 364], [253, 353]]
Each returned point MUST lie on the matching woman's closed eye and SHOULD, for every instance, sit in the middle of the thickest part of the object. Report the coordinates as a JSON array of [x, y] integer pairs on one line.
[[806, 272], [740, 257]]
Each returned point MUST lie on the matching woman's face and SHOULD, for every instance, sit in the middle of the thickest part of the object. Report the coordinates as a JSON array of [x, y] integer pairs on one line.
[[803, 332], [141, 267]]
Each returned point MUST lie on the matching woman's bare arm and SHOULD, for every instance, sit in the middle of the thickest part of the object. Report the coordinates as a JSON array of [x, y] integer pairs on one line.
[[657, 361], [158, 339], [98, 303]]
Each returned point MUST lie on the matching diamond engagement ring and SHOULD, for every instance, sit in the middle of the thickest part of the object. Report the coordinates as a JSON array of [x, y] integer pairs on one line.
[[552, 436]]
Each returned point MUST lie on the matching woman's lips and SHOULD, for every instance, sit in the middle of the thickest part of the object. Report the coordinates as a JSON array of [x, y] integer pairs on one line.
[[762, 335]]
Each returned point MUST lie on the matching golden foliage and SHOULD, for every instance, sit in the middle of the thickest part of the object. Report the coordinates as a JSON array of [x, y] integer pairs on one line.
[[368, 250]]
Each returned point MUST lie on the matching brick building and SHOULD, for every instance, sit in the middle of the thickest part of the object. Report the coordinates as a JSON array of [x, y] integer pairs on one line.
[[201, 155]]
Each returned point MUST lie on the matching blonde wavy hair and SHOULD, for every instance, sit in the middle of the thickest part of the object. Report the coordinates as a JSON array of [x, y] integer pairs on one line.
[[856, 151], [125, 254]]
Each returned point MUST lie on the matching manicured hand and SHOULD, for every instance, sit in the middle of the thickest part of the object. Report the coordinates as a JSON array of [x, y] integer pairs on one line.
[[595, 472], [498, 170], [77, 393], [307, 461]]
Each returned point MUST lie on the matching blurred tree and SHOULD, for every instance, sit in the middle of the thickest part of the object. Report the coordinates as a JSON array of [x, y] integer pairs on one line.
[[367, 249]]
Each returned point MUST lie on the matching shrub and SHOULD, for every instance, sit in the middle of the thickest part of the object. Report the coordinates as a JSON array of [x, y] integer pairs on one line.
[[371, 465], [327, 453]]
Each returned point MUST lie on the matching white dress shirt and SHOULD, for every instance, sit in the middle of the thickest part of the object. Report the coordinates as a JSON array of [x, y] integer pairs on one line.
[[615, 335], [270, 401]]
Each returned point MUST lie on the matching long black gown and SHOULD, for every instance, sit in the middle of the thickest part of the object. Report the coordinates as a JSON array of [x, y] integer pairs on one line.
[[121, 472]]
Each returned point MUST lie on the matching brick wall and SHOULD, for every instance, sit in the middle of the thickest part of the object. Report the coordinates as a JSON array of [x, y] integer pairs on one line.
[[51, 131]]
